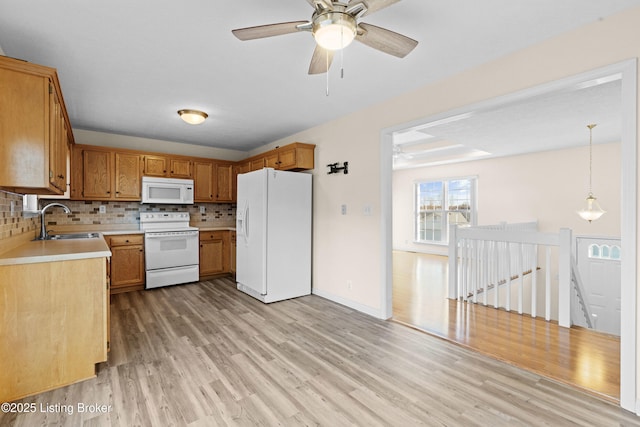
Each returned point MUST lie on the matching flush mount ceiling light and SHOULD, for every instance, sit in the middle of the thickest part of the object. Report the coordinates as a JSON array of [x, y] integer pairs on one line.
[[592, 211], [193, 117]]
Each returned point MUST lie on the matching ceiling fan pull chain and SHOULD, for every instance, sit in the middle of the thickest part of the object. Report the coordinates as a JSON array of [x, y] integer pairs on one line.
[[342, 53], [327, 73]]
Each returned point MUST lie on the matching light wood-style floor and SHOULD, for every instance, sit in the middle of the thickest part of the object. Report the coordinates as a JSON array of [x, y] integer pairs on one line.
[[576, 356], [206, 355]]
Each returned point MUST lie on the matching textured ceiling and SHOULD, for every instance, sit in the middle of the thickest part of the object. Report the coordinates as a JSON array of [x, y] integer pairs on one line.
[[127, 67], [544, 122]]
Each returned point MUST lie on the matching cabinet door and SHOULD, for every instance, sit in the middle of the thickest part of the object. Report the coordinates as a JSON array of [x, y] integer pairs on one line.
[[180, 168], [257, 164], [127, 266], [287, 159], [76, 169], [271, 160], [212, 256], [128, 176], [232, 252], [96, 174], [56, 150], [203, 181], [155, 165], [244, 167], [224, 182]]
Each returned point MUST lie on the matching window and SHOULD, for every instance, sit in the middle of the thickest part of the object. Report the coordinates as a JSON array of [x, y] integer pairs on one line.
[[439, 204]]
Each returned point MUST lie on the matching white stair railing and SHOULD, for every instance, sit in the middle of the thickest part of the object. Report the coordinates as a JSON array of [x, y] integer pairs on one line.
[[488, 258]]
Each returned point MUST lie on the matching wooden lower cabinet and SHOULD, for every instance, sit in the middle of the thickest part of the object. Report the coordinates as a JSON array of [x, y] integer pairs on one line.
[[127, 262], [232, 252], [54, 323], [214, 257]]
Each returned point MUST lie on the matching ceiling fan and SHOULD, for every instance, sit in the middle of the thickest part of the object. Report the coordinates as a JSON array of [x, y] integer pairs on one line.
[[334, 25]]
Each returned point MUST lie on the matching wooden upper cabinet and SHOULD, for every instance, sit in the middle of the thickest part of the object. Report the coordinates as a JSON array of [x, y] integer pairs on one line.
[[203, 181], [96, 180], [180, 168], [166, 166], [77, 169], [244, 167], [155, 165], [271, 160], [296, 156], [128, 176], [34, 129], [223, 182], [106, 175], [257, 164]]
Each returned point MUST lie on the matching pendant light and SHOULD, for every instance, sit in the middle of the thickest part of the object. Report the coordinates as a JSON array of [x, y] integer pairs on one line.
[[592, 210]]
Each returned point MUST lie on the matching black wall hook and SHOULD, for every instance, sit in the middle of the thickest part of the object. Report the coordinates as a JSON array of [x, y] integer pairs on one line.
[[334, 168]]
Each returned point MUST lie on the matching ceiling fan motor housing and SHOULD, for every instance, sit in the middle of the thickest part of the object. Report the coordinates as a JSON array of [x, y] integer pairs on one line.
[[334, 30]]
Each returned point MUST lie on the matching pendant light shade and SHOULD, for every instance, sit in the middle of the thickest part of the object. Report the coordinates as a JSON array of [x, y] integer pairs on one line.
[[193, 117], [592, 210]]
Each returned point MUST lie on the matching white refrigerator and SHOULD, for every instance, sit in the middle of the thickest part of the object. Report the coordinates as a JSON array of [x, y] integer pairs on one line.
[[273, 228]]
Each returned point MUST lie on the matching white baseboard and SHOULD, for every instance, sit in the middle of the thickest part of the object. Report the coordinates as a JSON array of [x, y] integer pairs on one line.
[[375, 312]]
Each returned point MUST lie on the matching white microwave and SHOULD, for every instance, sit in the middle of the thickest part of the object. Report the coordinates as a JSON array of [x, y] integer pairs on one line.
[[167, 190]]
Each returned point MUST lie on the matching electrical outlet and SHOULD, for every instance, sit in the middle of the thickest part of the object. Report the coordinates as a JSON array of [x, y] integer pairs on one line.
[[367, 210], [349, 284], [202, 209], [102, 209], [343, 209]]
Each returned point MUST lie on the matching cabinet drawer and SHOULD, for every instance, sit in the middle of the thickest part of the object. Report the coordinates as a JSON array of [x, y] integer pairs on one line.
[[126, 239], [211, 235]]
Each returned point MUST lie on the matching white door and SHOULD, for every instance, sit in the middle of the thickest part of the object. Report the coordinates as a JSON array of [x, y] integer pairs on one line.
[[251, 231], [598, 262]]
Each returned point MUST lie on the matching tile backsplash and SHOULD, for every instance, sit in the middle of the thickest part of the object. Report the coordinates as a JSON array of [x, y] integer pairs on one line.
[[88, 213], [13, 221]]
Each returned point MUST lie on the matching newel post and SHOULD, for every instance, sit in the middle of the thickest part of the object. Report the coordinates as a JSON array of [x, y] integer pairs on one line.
[[564, 279], [453, 261]]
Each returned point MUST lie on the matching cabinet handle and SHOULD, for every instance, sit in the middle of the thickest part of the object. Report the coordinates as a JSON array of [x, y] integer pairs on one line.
[[126, 241], [108, 192]]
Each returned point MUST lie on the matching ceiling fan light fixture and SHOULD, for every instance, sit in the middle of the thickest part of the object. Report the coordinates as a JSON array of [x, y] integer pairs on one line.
[[193, 117], [334, 30]]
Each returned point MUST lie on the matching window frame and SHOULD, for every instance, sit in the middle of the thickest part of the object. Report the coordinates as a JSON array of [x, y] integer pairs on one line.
[[445, 211]]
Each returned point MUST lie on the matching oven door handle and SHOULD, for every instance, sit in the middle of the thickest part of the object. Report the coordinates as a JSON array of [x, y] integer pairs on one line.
[[169, 237]]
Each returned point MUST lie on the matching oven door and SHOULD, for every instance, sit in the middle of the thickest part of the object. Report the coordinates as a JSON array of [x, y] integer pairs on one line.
[[166, 249]]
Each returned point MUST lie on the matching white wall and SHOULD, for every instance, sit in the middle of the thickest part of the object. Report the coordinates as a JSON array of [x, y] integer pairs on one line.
[[349, 247], [548, 187], [155, 145]]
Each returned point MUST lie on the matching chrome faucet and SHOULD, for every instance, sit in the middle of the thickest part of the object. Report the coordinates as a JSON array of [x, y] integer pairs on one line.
[[43, 227]]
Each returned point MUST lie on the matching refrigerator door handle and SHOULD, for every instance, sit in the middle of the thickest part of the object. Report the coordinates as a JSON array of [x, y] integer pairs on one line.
[[246, 223]]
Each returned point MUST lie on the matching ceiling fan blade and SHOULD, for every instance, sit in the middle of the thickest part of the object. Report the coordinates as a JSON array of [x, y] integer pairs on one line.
[[376, 5], [321, 4], [320, 61], [385, 40], [262, 31]]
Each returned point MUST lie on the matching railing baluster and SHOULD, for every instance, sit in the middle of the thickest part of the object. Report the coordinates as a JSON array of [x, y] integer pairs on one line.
[[520, 271], [534, 282], [508, 278], [547, 289]]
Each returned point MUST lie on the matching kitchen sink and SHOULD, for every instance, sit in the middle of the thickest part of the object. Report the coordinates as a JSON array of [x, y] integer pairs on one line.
[[73, 236]]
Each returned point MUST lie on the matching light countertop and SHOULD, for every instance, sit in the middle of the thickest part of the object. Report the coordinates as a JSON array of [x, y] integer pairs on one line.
[[63, 250], [56, 250]]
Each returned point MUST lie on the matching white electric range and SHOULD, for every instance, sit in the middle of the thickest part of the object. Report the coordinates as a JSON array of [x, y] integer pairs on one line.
[[171, 248]]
